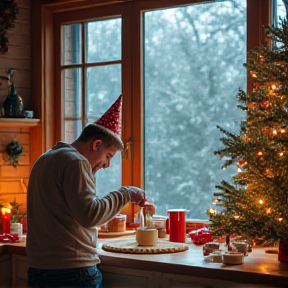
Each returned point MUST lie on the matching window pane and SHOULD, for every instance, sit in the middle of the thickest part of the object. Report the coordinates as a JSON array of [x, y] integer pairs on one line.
[[193, 67], [103, 88], [73, 129], [71, 44], [281, 12], [104, 40], [72, 92], [108, 180]]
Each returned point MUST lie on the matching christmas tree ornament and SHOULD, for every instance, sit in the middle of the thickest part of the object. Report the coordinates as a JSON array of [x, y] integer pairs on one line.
[[111, 121]]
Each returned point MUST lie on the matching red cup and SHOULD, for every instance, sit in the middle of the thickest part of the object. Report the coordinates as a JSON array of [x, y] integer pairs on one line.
[[177, 225]]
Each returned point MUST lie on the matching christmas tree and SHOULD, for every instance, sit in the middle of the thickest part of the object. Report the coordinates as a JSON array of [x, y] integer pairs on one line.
[[255, 203]]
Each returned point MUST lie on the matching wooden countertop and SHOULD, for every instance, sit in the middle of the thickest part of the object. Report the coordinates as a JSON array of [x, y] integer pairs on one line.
[[13, 248], [258, 267]]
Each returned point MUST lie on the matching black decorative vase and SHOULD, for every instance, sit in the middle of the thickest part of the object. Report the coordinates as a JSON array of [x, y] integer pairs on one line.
[[13, 105]]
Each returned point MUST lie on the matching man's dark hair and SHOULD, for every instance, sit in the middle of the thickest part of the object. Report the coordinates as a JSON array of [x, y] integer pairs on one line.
[[93, 132]]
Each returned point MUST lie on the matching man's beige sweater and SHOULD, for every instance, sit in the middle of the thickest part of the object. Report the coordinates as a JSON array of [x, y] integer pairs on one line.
[[63, 210]]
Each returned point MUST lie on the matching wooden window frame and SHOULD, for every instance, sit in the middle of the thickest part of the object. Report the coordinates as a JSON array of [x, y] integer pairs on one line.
[[46, 87]]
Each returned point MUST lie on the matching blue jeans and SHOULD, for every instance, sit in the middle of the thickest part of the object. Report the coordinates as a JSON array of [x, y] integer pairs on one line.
[[85, 277]]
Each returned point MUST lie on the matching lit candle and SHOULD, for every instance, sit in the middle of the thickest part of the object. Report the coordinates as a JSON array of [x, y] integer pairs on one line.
[[6, 218]]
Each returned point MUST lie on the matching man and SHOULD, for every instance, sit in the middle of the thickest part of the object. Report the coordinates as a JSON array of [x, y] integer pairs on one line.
[[63, 210]]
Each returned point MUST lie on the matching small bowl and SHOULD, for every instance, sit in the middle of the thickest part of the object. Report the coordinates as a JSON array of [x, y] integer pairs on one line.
[[233, 258]]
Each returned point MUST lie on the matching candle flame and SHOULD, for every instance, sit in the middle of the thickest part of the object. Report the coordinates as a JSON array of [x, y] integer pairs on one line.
[[5, 210]]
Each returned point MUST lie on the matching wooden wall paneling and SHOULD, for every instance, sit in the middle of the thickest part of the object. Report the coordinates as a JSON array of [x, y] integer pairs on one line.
[[19, 54], [14, 180], [8, 171]]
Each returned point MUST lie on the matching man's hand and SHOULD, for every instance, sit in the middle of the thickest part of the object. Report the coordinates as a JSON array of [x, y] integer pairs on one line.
[[137, 195]]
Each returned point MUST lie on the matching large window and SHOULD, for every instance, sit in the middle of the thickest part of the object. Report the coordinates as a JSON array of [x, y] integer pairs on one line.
[[179, 66], [193, 68]]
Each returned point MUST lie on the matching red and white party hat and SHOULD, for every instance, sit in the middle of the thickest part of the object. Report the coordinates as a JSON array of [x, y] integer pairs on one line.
[[111, 120]]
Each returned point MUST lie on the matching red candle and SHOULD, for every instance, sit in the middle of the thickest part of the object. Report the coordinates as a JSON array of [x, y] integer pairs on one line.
[[6, 218]]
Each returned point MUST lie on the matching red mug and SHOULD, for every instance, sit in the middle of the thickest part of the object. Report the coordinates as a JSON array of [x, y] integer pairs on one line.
[[177, 225]]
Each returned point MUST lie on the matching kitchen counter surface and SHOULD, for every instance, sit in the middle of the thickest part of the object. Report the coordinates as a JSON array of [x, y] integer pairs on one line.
[[258, 268]]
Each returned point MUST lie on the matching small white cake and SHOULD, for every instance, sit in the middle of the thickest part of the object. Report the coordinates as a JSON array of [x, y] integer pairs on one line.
[[233, 258]]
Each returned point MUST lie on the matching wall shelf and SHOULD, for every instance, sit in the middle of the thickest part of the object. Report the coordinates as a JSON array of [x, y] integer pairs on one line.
[[18, 122]]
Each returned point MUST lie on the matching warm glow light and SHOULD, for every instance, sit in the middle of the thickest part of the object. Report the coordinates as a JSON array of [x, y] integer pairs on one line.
[[268, 210], [282, 131], [280, 219], [261, 201], [281, 154], [273, 86], [268, 172], [274, 132], [259, 153], [245, 138], [236, 217], [254, 75], [5, 210], [211, 211]]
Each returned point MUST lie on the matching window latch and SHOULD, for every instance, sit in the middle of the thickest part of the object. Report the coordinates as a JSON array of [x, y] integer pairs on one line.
[[126, 152]]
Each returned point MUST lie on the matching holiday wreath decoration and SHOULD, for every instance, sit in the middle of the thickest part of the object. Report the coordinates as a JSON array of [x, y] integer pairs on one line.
[[8, 12], [14, 150]]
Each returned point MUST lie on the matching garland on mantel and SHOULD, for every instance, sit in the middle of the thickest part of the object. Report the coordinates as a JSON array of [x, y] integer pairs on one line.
[[8, 12]]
